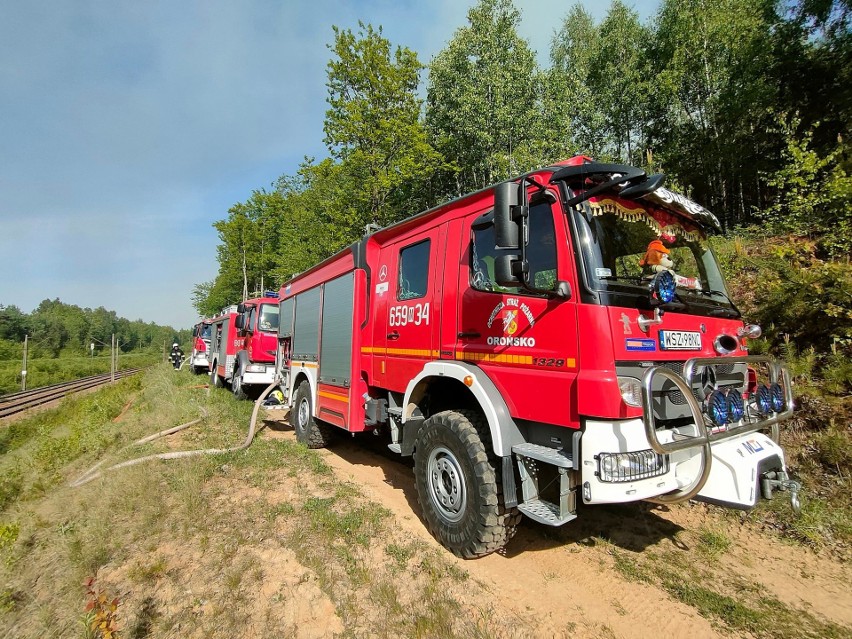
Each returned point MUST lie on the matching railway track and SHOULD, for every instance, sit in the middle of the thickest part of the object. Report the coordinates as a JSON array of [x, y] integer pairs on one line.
[[24, 400]]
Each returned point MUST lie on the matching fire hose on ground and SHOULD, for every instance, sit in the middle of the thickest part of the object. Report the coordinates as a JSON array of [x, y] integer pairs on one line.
[[94, 472]]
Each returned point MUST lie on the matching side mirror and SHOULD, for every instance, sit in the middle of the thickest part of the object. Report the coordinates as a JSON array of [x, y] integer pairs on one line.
[[506, 227], [508, 270], [240, 322], [241, 308]]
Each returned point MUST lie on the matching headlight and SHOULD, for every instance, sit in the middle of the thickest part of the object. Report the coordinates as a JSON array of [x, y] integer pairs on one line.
[[631, 391], [256, 368], [764, 399], [735, 405], [664, 286], [776, 393], [717, 408], [622, 467]]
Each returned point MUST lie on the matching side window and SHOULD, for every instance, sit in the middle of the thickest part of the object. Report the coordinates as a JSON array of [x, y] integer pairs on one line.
[[250, 321], [414, 271], [541, 253]]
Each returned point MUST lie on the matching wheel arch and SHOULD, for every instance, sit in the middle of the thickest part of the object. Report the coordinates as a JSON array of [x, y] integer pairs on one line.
[[241, 361], [481, 394], [299, 377]]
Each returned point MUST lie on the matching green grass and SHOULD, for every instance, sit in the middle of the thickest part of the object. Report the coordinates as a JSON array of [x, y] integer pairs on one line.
[[190, 545], [713, 543], [47, 371], [205, 525]]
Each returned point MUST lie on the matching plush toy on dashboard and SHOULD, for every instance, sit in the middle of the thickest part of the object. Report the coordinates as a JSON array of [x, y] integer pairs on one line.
[[656, 258]]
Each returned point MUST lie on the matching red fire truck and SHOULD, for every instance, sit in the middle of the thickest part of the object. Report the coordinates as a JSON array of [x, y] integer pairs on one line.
[[243, 344], [512, 342], [198, 361]]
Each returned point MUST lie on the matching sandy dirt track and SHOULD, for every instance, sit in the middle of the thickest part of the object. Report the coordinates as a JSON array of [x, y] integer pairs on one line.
[[560, 582]]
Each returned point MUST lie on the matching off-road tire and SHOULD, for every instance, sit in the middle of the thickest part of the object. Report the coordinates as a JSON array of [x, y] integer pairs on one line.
[[453, 455], [310, 431], [237, 386]]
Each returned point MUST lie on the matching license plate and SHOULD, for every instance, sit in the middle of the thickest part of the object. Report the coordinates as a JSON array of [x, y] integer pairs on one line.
[[680, 341]]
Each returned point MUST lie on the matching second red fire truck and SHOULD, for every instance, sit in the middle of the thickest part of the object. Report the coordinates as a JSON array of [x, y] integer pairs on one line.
[[520, 344], [243, 340]]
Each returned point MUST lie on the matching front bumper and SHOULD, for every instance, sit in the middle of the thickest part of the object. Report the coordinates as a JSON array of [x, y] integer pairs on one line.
[[254, 375]]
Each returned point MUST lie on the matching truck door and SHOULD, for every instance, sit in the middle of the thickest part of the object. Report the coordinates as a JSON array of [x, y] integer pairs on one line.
[[526, 342], [406, 320]]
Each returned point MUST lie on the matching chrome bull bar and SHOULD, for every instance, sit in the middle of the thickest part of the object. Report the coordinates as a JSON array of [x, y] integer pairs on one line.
[[704, 438]]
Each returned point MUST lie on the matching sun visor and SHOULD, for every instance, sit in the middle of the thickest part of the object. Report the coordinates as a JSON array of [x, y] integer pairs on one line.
[[677, 202]]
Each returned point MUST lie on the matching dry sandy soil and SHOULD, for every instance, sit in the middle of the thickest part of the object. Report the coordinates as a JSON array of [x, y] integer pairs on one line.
[[563, 582], [547, 582]]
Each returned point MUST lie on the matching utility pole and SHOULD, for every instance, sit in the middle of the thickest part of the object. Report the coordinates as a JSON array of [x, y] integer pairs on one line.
[[24, 367], [112, 359]]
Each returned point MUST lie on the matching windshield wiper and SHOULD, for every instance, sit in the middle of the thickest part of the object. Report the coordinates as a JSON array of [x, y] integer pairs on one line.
[[732, 312], [620, 278]]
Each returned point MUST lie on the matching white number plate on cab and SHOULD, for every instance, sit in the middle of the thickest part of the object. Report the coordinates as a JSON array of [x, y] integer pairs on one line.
[[680, 341]]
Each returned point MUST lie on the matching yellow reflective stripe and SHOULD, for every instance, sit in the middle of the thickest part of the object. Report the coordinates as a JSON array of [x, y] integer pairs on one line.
[[407, 352], [335, 396], [503, 358], [304, 364]]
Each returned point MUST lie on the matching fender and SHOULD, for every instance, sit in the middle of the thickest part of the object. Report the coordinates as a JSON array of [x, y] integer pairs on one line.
[[241, 361], [504, 431], [296, 374]]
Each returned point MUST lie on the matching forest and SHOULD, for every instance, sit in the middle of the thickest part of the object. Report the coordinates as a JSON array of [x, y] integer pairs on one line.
[[744, 104], [65, 342]]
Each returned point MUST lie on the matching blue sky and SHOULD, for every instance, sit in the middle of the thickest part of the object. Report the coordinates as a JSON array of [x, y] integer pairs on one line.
[[128, 128]]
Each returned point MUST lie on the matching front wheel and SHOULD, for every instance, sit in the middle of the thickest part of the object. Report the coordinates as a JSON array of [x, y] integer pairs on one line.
[[310, 431], [215, 380], [237, 386], [458, 488]]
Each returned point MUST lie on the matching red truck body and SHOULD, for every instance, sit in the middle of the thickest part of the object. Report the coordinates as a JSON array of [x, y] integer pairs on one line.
[[243, 344], [511, 343], [198, 360]]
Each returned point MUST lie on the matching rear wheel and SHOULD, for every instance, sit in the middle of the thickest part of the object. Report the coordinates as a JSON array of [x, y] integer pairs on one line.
[[310, 431], [458, 486]]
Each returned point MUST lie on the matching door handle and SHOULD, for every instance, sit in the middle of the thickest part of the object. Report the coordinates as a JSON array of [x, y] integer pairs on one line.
[[394, 335], [469, 334]]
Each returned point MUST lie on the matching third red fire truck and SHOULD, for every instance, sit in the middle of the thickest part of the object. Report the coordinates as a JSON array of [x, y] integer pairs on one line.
[[198, 361], [243, 344], [519, 343]]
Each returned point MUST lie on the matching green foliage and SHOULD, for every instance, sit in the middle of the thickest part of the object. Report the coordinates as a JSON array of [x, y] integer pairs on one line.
[[575, 118], [56, 329], [704, 91], [373, 124], [483, 99], [8, 536], [710, 95], [803, 302], [814, 194], [381, 163]]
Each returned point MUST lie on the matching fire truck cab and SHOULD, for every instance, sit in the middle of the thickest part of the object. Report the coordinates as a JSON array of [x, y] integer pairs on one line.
[[243, 345], [516, 343], [198, 361]]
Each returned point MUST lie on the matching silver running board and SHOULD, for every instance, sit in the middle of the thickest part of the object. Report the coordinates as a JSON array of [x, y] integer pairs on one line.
[[532, 460]]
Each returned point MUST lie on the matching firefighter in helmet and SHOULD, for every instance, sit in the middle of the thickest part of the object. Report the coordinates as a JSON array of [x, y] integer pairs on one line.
[[176, 356]]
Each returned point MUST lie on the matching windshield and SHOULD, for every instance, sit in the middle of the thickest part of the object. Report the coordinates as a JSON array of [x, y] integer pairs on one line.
[[268, 317], [203, 331], [626, 243]]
